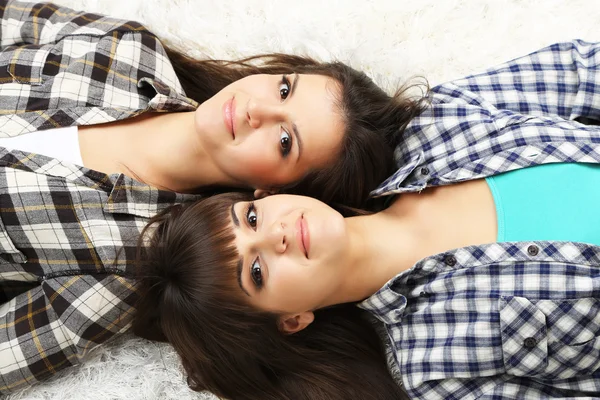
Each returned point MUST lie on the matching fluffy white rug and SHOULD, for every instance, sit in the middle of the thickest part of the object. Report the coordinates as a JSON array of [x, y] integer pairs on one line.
[[390, 39]]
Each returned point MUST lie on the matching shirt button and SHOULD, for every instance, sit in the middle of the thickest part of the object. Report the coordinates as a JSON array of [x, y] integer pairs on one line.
[[533, 250], [530, 343], [424, 294], [425, 171], [450, 260]]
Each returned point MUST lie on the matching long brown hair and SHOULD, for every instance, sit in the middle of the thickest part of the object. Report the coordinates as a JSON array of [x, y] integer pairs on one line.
[[374, 121], [189, 297]]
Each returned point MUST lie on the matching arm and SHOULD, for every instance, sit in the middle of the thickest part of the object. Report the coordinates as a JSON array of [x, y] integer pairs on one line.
[[56, 324], [559, 80], [44, 23]]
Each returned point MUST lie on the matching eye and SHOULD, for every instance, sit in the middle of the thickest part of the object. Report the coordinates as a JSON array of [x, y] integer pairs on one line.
[[284, 87], [256, 274], [285, 142], [251, 216]]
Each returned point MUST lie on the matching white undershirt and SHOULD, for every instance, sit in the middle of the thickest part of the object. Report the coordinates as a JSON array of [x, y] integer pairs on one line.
[[60, 143]]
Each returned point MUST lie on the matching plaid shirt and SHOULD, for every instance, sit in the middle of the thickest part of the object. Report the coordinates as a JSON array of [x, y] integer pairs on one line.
[[67, 232], [71, 232], [519, 114], [59, 67], [498, 321], [504, 320]]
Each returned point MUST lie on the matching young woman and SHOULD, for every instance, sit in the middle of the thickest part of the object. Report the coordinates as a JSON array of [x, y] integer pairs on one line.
[[108, 95], [487, 289], [70, 221], [102, 125], [513, 319]]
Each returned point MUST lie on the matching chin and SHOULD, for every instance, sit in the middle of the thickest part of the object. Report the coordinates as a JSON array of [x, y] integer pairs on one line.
[[199, 121], [209, 135], [332, 238]]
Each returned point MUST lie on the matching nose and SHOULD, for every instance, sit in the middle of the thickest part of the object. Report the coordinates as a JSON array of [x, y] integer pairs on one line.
[[260, 112], [275, 238]]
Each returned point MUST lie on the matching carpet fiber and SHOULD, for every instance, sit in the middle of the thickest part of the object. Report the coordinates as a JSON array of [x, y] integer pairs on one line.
[[391, 40]]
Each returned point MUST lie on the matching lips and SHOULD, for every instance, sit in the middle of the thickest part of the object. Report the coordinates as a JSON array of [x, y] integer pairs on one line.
[[228, 116], [303, 235]]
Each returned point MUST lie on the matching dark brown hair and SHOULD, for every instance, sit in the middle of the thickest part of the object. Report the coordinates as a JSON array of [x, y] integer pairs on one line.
[[189, 297], [374, 121]]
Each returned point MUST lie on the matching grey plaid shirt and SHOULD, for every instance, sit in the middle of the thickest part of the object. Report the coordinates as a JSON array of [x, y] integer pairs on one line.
[[67, 232], [71, 232], [59, 67]]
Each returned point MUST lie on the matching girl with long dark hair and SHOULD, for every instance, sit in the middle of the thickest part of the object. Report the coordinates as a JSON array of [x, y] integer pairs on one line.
[[102, 126], [487, 289], [118, 100]]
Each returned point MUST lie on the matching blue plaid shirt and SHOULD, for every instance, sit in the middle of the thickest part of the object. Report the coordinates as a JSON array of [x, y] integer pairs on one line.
[[499, 321], [502, 320], [519, 114]]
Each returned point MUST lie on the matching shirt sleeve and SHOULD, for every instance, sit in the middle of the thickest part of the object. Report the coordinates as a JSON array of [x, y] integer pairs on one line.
[[46, 23], [559, 80], [56, 324], [499, 388]]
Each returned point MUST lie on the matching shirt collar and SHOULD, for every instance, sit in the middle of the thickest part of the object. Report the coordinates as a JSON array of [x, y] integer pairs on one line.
[[167, 99], [125, 195], [387, 304], [129, 196], [397, 182]]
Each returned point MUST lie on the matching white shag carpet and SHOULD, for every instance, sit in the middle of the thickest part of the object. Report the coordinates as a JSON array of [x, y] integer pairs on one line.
[[391, 40]]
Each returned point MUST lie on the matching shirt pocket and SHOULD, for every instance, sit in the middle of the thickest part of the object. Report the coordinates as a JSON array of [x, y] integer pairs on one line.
[[8, 252], [24, 64], [550, 339]]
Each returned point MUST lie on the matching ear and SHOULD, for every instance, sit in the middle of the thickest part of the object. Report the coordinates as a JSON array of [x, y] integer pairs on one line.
[[295, 323], [262, 193]]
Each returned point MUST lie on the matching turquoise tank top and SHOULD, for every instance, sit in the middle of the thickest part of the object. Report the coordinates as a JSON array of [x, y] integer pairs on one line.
[[548, 202]]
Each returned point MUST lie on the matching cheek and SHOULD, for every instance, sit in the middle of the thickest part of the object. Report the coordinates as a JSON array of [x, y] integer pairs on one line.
[[304, 287], [254, 163], [295, 288]]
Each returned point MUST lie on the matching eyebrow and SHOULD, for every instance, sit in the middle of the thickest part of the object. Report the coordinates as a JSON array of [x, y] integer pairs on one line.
[[294, 127], [240, 265], [240, 269], [234, 217]]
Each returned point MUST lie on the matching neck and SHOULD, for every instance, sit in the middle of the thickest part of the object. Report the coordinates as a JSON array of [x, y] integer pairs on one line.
[[381, 246], [157, 149]]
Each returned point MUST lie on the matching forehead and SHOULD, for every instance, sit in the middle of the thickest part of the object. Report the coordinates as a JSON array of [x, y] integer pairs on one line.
[[323, 92], [316, 106]]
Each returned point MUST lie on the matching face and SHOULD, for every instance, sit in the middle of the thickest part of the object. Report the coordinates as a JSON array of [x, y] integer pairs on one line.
[[291, 252], [268, 131]]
